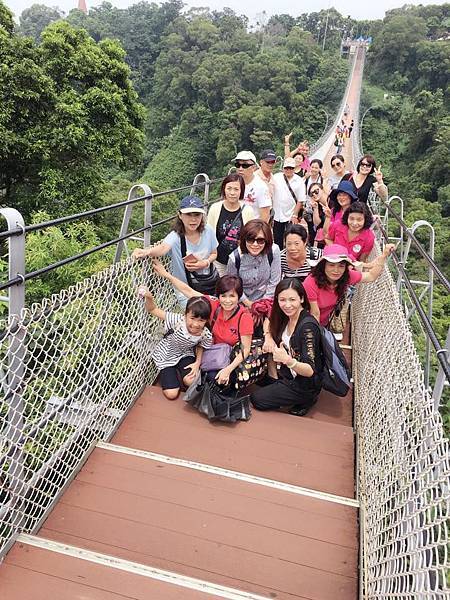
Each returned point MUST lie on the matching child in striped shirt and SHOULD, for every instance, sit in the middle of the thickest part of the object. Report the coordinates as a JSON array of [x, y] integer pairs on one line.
[[178, 355]]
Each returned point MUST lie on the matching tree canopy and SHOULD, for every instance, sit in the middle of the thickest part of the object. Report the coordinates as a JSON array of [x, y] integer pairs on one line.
[[68, 113]]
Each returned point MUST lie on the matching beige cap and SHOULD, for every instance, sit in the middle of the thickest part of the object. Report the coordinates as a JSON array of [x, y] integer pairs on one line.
[[289, 162], [245, 155]]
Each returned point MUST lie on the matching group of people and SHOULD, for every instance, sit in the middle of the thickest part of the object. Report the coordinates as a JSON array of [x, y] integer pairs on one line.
[[272, 252]]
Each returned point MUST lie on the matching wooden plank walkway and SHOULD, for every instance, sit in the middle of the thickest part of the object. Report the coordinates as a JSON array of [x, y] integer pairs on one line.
[[178, 508], [129, 515]]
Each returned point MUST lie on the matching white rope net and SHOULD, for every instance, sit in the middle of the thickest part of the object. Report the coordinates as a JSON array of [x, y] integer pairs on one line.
[[404, 464], [71, 367]]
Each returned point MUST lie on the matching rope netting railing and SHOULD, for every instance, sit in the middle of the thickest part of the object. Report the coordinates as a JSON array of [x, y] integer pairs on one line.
[[403, 455], [70, 369]]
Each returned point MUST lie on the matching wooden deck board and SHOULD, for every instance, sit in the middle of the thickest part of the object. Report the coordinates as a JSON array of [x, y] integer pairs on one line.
[[225, 531], [236, 499], [35, 574], [303, 454]]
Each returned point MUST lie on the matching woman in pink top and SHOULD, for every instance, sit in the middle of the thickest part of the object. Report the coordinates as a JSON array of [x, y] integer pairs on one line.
[[354, 231], [331, 277]]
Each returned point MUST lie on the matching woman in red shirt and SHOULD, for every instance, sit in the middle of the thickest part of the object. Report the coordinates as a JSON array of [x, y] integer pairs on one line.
[[232, 322]]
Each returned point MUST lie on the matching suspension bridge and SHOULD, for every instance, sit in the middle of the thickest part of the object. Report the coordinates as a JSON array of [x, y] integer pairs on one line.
[[109, 491]]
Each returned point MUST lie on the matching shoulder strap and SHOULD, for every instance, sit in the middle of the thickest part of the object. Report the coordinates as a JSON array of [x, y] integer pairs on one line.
[[216, 314], [290, 189], [214, 319], [270, 256], [183, 254], [237, 260], [182, 245]]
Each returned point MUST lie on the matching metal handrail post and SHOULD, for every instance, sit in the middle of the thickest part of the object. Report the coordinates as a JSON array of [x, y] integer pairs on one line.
[[403, 258], [16, 354], [197, 180], [441, 378], [148, 206], [132, 194], [415, 226]]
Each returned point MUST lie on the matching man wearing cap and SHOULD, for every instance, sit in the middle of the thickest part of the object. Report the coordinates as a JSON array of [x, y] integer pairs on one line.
[[288, 200], [267, 162], [256, 192]]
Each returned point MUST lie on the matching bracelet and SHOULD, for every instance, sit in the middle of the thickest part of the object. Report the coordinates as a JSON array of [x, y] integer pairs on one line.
[[292, 365]]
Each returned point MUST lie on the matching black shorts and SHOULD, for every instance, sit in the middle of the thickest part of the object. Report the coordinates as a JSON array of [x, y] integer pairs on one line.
[[171, 378]]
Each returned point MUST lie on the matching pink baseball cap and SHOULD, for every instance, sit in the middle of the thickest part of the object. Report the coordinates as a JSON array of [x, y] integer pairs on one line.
[[334, 253]]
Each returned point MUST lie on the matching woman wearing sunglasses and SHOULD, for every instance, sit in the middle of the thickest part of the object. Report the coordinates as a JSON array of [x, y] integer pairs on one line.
[[366, 176], [257, 262], [319, 206], [337, 163]]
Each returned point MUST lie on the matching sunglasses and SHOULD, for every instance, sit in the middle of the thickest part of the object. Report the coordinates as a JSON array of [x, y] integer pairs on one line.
[[243, 165], [259, 240], [364, 164], [336, 164], [269, 162], [289, 168], [314, 192]]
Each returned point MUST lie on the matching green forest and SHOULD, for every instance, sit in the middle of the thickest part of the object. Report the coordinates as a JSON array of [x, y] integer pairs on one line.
[[91, 103]]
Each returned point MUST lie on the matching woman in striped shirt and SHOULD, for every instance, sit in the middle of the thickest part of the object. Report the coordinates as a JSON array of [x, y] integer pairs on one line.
[[296, 253]]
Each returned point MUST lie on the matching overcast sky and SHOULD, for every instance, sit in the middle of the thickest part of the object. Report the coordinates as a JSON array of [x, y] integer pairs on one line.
[[355, 8]]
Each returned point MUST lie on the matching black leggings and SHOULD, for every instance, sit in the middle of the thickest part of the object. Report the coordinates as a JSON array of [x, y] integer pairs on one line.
[[283, 393]]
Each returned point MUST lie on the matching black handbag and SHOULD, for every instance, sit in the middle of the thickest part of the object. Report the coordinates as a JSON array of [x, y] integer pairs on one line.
[[201, 282], [252, 368], [211, 400]]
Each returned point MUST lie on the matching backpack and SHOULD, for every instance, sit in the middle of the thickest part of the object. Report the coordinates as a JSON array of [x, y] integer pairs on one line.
[[336, 374], [237, 259]]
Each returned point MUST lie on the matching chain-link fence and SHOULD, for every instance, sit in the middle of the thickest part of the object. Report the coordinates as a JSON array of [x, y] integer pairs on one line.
[[71, 367], [403, 456]]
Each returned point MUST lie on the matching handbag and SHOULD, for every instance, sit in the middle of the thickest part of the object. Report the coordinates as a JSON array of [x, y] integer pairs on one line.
[[216, 357], [252, 368], [201, 282], [338, 316], [210, 400]]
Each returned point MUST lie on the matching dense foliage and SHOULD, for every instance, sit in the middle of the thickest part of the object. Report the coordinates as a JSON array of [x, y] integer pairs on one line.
[[407, 127], [68, 113]]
